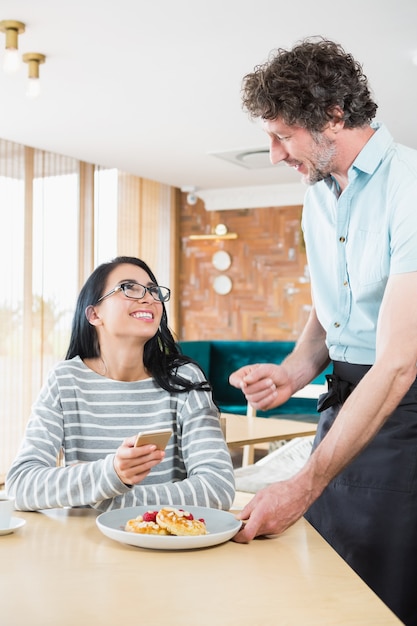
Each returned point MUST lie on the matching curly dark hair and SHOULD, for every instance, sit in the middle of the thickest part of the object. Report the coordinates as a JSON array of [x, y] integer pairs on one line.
[[161, 356], [303, 85]]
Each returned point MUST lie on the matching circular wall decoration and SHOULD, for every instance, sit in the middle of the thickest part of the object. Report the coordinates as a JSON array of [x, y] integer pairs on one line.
[[220, 229], [222, 285], [221, 260]]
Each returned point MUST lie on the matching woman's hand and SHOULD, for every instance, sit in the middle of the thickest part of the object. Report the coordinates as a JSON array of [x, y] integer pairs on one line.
[[132, 464]]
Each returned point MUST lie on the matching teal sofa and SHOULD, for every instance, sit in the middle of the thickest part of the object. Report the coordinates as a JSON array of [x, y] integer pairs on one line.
[[219, 359]]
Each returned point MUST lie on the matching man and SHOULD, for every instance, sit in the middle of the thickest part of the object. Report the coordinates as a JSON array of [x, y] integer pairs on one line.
[[359, 487]]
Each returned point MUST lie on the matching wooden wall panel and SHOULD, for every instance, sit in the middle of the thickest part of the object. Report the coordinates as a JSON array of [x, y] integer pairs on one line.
[[147, 224], [270, 298]]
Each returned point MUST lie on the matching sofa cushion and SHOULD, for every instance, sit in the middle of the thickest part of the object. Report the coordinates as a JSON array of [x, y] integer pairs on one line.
[[199, 351], [228, 356], [219, 359]]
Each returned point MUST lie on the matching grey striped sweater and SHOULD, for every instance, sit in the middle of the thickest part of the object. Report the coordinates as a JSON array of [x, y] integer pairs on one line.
[[90, 415]]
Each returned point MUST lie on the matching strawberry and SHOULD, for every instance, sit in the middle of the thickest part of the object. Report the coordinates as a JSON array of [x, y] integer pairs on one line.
[[150, 516], [189, 516]]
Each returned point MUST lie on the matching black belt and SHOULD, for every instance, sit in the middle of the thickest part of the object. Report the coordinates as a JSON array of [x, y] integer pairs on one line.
[[341, 383]]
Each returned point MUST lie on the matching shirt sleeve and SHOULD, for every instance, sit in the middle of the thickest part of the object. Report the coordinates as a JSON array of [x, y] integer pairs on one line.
[[403, 230]]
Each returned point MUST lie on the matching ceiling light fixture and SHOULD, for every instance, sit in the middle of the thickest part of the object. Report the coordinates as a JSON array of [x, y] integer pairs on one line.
[[33, 59], [11, 59]]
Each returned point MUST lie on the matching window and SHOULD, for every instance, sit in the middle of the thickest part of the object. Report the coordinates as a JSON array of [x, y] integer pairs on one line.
[[59, 218], [39, 253]]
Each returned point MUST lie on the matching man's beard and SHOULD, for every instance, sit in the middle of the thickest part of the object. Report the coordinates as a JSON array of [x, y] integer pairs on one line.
[[322, 159]]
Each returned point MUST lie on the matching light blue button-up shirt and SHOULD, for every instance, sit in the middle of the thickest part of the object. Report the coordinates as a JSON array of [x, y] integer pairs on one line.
[[356, 240]]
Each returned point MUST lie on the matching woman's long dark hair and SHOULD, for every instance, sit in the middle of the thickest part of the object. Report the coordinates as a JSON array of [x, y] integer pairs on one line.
[[161, 355]]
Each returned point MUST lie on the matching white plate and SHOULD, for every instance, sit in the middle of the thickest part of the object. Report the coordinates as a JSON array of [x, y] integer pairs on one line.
[[221, 526], [15, 524]]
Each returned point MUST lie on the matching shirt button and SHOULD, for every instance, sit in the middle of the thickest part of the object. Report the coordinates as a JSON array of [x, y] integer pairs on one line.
[[342, 239], [345, 283], [336, 324]]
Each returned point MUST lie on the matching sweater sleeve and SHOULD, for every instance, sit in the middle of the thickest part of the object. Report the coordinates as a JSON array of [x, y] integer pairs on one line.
[[35, 480]]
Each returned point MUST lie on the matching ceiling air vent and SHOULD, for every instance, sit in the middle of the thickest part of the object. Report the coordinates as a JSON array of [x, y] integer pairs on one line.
[[251, 159]]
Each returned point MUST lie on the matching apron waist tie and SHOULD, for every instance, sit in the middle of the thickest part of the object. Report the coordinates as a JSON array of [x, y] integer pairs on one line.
[[341, 383]]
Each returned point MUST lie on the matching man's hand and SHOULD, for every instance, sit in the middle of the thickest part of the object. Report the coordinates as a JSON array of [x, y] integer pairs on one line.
[[273, 509], [265, 385]]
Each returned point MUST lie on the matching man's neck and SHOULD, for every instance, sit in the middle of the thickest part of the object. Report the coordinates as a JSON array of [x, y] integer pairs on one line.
[[350, 142]]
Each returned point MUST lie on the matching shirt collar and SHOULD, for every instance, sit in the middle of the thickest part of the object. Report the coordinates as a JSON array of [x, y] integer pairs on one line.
[[374, 150], [370, 156]]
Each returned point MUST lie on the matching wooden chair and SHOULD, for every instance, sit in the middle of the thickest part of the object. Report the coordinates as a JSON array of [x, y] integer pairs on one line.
[[248, 455]]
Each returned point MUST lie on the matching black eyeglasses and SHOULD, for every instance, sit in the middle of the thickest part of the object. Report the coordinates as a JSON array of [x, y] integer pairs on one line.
[[136, 291]]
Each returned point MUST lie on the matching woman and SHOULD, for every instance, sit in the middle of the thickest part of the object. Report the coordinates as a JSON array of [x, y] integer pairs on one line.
[[123, 374]]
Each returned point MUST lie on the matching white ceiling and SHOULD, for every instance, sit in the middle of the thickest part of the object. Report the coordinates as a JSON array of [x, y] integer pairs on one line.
[[153, 87]]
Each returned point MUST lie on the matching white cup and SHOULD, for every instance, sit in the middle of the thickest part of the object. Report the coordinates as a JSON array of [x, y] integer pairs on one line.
[[6, 510]]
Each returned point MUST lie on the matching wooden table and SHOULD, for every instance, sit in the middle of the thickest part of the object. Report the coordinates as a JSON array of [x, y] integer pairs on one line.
[[311, 391], [242, 430], [60, 570], [246, 431]]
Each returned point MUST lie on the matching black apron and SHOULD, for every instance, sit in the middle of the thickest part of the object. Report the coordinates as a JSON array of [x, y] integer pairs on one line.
[[368, 513]]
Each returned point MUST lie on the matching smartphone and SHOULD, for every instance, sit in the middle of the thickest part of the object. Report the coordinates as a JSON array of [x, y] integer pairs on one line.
[[159, 438]]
